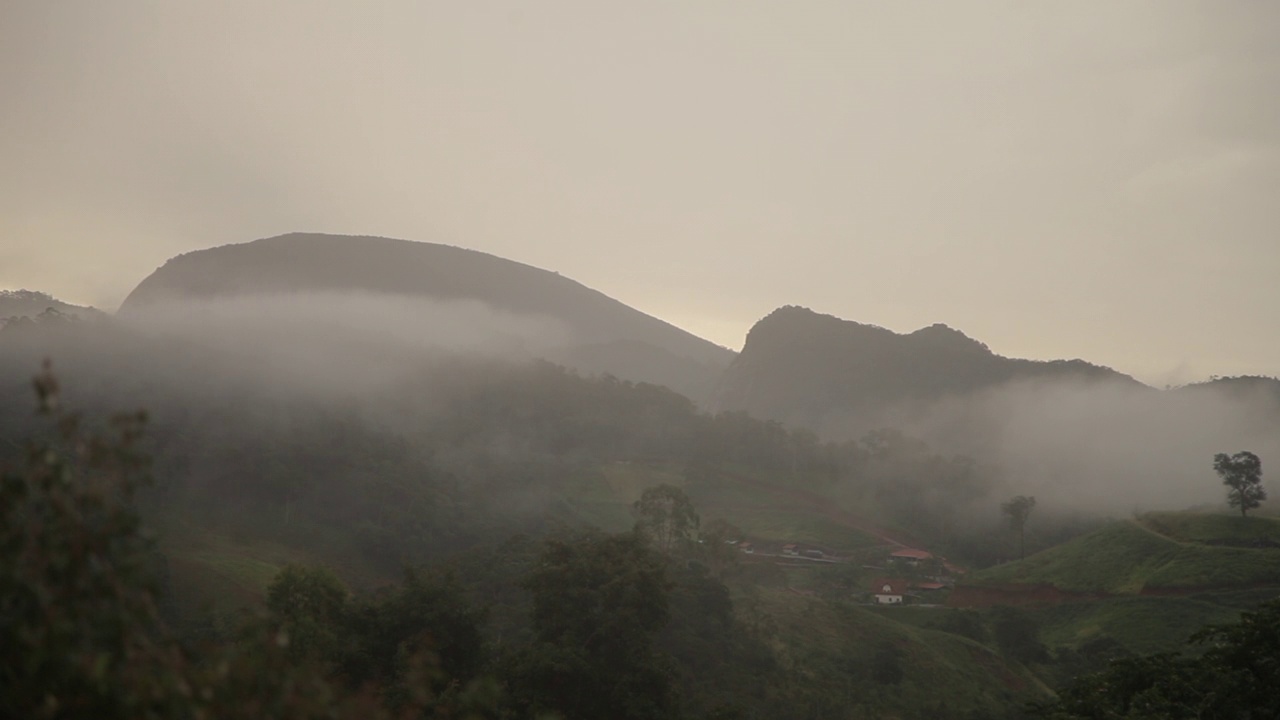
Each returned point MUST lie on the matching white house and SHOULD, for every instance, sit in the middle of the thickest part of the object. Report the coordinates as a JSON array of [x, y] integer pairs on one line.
[[889, 591]]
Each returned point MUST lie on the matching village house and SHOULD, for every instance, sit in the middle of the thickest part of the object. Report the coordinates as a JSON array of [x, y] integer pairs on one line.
[[889, 591], [911, 556], [929, 587], [791, 549]]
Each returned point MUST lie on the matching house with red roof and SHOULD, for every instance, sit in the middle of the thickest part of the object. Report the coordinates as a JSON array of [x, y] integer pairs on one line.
[[889, 591], [911, 555]]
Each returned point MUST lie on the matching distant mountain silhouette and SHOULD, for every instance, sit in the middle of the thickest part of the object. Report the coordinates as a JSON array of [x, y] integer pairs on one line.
[[606, 335], [801, 366], [32, 304], [1257, 396], [1242, 385]]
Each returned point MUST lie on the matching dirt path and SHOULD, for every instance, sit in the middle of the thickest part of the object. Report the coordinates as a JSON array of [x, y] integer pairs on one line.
[[1160, 535]]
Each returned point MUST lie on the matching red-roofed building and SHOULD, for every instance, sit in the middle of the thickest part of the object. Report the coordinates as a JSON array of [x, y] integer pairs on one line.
[[791, 549], [889, 591], [910, 555]]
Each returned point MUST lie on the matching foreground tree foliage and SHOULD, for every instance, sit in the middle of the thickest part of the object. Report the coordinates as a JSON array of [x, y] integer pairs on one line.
[[598, 603], [569, 624], [1236, 677], [79, 620]]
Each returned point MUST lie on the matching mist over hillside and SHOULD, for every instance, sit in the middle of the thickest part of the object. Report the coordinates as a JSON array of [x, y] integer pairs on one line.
[[371, 426], [1077, 434], [16, 304], [423, 294]]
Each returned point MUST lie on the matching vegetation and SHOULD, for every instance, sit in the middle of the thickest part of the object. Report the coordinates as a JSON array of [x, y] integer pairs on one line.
[[81, 607], [1234, 677], [1214, 528], [589, 623], [1128, 557], [1019, 509], [665, 516], [294, 514], [1242, 474]]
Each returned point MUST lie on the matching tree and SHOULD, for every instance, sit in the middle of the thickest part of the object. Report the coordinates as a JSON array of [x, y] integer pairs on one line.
[[80, 629], [598, 602], [310, 605], [721, 556], [1242, 473], [1235, 677], [427, 615], [665, 516], [1019, 509]]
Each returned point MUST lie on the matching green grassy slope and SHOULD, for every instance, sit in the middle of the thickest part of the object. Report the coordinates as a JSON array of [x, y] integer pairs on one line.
[[223, 571], [1128, 557], [1213, 529], [943, 675], [1143, 625]]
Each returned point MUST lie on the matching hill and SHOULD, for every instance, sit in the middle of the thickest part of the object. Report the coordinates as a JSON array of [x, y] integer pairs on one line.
[[802, 366], [1158, 553], [601, 334], [30, 304], [1257, 396]]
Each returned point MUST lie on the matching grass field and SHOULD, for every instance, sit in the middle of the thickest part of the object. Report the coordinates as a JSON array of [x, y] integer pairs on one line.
[[1217, 529], [1142, 625], [829, 641], [219, 571], [1128, 557]]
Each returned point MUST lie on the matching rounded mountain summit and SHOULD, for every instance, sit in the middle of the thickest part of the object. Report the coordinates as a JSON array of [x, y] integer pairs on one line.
[[606, 335]]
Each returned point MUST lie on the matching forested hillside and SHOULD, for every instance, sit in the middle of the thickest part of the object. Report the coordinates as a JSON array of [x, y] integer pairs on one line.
[[20, 306], [453, 525]]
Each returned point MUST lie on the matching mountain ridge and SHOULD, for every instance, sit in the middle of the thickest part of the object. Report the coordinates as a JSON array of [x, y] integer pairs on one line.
[[797, 362], [298, 263], [31, 303]]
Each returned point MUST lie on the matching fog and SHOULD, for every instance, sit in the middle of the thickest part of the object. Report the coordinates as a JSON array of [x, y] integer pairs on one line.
[[1096, 447], [344, 344]]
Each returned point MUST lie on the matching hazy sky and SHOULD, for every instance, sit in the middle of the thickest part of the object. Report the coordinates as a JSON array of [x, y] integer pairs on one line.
[[1093, 179]]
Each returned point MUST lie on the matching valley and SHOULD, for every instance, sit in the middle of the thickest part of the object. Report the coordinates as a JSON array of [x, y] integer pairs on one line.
[[360, 406]]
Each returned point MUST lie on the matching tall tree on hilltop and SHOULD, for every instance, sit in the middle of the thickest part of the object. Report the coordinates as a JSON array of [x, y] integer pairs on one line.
[[1019, 509], [1242, 473]]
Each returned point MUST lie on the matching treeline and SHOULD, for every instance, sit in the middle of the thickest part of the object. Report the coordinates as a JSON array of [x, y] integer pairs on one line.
[[450, 452], [600, 625], [454, 452]]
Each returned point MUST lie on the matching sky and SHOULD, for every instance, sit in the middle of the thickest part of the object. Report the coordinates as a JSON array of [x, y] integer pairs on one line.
[[1058, 180]]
